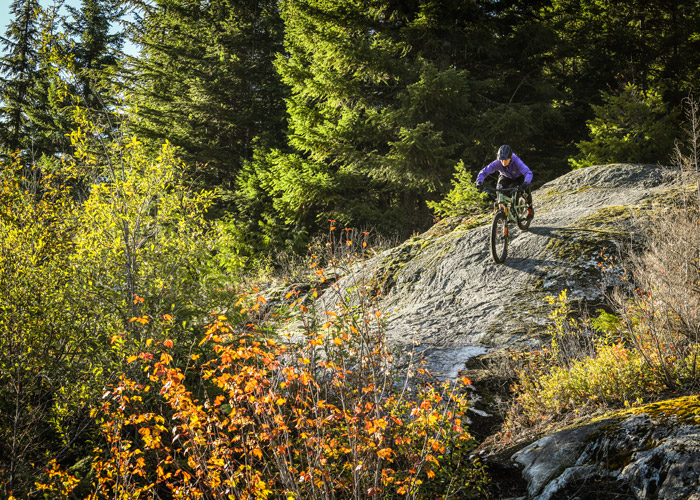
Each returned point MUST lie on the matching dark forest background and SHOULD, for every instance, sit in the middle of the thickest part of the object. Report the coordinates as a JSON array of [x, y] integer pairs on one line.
[[302, 111]]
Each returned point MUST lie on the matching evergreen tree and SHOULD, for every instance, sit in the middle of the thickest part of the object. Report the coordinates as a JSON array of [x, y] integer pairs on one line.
[[96, 48], [632, 127], [377, 119], [48, 114], [603, 45], [206, 81], [19, 72]]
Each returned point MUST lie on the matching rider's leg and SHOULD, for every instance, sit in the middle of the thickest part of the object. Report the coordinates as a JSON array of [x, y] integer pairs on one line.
[[506, 182], [528, 197]]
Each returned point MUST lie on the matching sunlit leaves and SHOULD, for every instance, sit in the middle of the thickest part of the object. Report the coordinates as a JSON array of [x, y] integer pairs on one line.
[[262, 420]]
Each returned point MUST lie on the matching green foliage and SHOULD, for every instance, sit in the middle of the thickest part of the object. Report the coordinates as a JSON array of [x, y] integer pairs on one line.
[[464, 199], [568, 342], [608, 325], [632, 127], [144, 235], [104, 252], [205, 81], [19, 71], [616, 376], [581, 373], [375, 127], [96, 46], [48, 353]]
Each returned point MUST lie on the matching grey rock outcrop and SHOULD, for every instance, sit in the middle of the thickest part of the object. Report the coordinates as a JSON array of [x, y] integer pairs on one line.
[[650, 453], [447, 298]]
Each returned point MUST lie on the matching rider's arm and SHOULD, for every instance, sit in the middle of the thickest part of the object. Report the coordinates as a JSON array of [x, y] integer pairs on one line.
[[486, 171], [522, 168]]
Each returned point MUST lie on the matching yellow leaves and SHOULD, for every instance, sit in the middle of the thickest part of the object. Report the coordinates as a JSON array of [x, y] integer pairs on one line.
[[142, 320], [133, 143], [132, 358]]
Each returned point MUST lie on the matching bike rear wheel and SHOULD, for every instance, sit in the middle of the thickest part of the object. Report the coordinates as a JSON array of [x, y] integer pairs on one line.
[[521, 204], [499, 237]]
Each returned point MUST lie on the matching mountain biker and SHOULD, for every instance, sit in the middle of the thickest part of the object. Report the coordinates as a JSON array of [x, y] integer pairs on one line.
[[513, 172]]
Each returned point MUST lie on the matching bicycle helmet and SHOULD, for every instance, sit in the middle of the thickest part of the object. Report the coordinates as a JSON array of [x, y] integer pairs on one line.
[[504, 152]]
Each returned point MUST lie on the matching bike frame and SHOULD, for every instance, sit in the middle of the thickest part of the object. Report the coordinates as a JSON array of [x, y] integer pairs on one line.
[[505, 212], [506, 203]]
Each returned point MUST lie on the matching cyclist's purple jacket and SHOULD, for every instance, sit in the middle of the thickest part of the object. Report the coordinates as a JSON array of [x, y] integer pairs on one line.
[[515, 169]]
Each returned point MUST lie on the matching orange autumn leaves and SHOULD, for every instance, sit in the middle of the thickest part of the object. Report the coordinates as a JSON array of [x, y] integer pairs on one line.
[[248, 415]]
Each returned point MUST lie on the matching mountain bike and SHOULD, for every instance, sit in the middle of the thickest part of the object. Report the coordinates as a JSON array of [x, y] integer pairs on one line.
[[510, 207]]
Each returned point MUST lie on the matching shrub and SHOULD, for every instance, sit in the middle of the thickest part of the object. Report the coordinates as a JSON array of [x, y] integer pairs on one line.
[[579, 372], [253, 416], [633, 126], [661, 315], [463, 199], [616, 376]]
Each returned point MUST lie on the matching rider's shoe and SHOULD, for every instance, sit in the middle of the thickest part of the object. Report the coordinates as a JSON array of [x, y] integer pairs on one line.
[[530, 213]]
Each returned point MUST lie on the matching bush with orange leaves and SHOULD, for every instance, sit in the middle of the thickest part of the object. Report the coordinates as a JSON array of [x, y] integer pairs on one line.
[[257, 416]]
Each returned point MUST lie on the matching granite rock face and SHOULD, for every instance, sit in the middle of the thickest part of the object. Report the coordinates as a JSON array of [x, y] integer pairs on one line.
[[447, 299], [652, 452]]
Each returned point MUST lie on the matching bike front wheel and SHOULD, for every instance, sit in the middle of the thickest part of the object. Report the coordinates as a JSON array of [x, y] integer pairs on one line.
[[521, 204], [499, 237]]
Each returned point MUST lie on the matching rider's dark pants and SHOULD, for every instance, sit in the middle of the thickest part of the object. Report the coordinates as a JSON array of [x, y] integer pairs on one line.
[[507, 182]]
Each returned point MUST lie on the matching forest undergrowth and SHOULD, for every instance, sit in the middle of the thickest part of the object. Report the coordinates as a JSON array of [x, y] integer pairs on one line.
[[645, 346]]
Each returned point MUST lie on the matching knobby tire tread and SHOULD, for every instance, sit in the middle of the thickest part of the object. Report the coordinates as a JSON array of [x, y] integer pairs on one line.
[[499, 245], [523, 223]]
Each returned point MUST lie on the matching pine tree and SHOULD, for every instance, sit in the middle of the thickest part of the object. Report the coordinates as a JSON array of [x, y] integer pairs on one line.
[[631, 126], [206, 81], [49, 114], [96, 48], [379, 115], [19, 72]]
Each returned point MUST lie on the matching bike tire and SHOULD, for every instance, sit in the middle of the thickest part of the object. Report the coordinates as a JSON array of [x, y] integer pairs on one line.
[[499, 237], [521, 202]]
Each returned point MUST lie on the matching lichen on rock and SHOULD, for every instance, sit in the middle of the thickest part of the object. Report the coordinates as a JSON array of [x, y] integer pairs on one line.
[[444, 293], [647, 452]]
